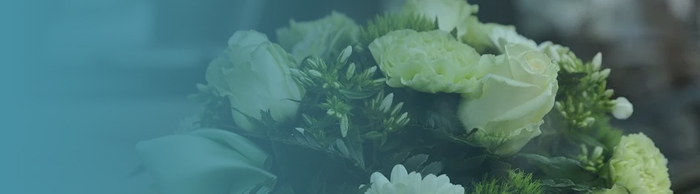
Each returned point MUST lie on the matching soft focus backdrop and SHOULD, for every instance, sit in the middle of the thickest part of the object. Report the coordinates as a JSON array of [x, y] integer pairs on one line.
[[84, 80]]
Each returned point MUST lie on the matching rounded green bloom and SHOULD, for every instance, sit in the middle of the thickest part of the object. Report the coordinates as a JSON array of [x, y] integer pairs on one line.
[[638, 165], [432, 61], [518, 91], [323, 38]]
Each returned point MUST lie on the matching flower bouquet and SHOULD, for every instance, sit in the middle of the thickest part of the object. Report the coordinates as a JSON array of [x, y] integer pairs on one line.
[[428, 100]]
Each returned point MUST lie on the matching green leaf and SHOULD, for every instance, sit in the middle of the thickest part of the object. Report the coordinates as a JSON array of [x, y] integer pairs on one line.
[[432, 168], [560, 167], [454, 33], [340, 146], [357, 95], [414, 162], [396, 158], [353, 142], [344, 55], [560, 185], [301, 138], [267, 119], [475, 161], [325, 122], [258, 124], [588, 140], [311, 140], [373, 135], [570, 80]]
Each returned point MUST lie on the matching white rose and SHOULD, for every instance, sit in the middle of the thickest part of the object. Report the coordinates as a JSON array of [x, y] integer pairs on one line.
[[255, 76], [516, 94], [450, 14], [323, 38], [207, 161]]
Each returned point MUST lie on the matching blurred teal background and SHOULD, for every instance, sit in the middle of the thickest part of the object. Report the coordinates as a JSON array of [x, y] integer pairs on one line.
[[84, 80]]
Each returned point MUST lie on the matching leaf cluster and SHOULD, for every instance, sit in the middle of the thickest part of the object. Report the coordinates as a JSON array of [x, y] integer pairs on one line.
[[517, 182]]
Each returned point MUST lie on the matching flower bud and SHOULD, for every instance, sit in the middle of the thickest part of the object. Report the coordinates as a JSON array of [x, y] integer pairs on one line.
[[623, 109]]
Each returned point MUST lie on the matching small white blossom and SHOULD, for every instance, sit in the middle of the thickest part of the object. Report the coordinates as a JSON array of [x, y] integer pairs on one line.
[[623, 108]]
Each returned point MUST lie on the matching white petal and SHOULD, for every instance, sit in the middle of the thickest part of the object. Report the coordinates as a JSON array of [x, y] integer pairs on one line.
[[398, 174], [429, 184], [378, 179]]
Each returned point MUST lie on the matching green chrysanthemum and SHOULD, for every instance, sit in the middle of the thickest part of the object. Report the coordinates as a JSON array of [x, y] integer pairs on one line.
[[432, 61], [638, 165]]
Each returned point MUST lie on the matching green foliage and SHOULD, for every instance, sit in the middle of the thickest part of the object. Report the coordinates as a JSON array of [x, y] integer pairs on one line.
[[566, 175], [351, 124], [515, 183], [583, 95], [560, 167], [583, 101], [418, 163], [217, 111], [580, 118], [559, 186], [333, 92], [383, 24]]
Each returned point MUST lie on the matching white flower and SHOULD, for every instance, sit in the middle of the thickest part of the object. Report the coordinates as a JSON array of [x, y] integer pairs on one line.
[[554, 51], [518, 92], [450, 14], [491, 36], [402, 182], [323, 38], [255, 76], [207, 161], [623, 108]]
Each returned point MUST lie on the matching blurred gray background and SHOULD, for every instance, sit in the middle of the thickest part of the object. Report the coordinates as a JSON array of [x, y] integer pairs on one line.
[[84, 80]]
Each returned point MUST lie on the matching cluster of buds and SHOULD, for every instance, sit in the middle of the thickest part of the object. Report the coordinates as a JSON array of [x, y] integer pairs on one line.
[[337, 108], [315, 73], [588, 97], [575, 113], [365, 80], [389, 115], [593, 161]]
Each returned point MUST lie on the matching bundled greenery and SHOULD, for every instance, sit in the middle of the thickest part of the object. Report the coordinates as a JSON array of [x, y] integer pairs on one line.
[[353, 125], [357, 126]]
